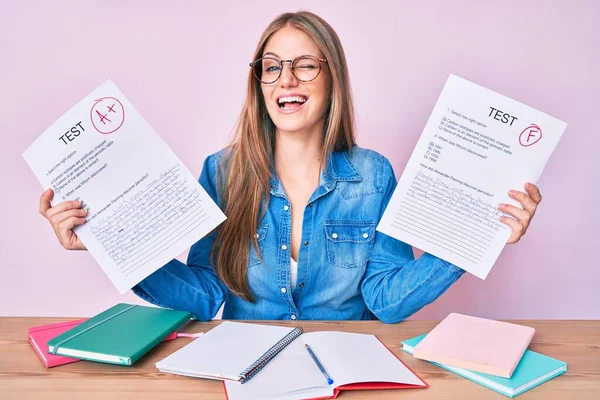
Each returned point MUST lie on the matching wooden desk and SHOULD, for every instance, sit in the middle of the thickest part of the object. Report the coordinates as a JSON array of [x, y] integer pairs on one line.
[[22, 375]]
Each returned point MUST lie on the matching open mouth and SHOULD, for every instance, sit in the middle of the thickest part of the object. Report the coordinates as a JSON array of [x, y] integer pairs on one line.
[[289, 103]]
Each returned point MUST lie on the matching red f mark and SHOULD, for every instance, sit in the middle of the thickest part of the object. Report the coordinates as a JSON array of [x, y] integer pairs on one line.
[[530, 135]]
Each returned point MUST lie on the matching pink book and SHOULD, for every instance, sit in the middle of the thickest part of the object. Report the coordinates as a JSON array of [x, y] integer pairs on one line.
[[40, 335], [478, 344]]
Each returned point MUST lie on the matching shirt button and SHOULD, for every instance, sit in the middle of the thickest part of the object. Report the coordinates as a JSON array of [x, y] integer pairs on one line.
[[283, 290], [301, 285], [286, 208], [293, 316], [256, 235], [334, 235], [306, 243], [365, 235], [284, 247]]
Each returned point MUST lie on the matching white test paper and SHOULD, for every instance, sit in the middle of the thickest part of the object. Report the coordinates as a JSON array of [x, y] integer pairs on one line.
[[476, 146], [144, 207]]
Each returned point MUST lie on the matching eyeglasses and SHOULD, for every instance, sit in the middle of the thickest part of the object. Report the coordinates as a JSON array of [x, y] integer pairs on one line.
[[305, 68]]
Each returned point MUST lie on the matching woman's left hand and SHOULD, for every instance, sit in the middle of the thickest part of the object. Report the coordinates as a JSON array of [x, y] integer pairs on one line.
[[522, 217]]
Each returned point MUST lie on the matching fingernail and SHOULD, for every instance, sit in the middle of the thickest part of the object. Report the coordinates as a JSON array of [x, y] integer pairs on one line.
[[501, 205], [529, 185], [512, 192]]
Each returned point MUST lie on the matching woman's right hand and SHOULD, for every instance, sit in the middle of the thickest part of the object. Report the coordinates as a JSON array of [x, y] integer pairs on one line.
[[63, 217]]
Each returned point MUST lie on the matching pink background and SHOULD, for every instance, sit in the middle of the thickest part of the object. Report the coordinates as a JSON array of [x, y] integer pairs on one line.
[[184, 67]]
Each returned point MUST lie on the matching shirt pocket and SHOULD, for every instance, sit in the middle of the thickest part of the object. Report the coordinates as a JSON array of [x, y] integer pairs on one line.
[[349, 243], [261, 233]]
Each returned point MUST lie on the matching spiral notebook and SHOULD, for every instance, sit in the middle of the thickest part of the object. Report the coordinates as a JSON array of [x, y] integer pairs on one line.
[[232, 351], [267, 361]]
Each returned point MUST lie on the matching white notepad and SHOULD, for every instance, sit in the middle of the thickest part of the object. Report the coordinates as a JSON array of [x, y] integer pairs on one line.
[[225, 351], [349, 358]]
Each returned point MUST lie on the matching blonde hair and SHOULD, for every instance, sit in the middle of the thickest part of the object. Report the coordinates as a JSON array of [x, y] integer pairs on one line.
[[246, 169]]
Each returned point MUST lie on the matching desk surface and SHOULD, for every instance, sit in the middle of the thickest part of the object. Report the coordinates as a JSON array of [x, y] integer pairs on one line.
[[22, 376]]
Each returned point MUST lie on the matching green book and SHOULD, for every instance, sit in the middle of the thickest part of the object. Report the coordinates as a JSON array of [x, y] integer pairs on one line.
[[120, 335]]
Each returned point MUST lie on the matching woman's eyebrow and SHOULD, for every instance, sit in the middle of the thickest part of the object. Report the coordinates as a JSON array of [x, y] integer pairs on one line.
[[272, 54]]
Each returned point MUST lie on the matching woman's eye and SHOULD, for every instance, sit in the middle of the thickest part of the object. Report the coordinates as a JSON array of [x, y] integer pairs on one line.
[[272, 69]]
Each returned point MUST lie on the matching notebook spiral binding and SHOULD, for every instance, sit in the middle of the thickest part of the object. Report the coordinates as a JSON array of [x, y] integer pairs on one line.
[[263, 360]]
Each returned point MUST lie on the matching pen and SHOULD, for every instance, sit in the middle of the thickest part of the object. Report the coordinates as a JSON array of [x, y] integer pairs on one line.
[[316, 360]]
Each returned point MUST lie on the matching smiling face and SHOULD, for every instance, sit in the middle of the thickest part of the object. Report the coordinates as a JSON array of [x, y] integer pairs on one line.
[[293, 105]]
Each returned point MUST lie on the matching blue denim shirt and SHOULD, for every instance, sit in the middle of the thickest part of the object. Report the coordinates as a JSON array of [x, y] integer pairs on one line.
[[346, 270]]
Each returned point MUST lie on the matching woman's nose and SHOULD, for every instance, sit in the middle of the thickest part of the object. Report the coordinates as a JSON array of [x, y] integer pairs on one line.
[[287, 78]]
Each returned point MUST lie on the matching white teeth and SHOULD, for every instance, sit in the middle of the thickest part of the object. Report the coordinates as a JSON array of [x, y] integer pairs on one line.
[[290, 99]]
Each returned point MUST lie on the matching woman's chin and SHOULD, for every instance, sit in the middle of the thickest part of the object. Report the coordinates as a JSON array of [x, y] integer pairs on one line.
[[290, 126]]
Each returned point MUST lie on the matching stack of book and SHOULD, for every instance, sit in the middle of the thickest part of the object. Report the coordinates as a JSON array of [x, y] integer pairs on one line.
[[120, 335], [491, 353]]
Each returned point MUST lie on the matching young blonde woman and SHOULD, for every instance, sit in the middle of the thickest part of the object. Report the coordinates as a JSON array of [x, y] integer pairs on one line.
[[302, 203]]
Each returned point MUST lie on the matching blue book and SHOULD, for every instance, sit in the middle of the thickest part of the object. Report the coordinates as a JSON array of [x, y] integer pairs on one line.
[[533, 370]]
